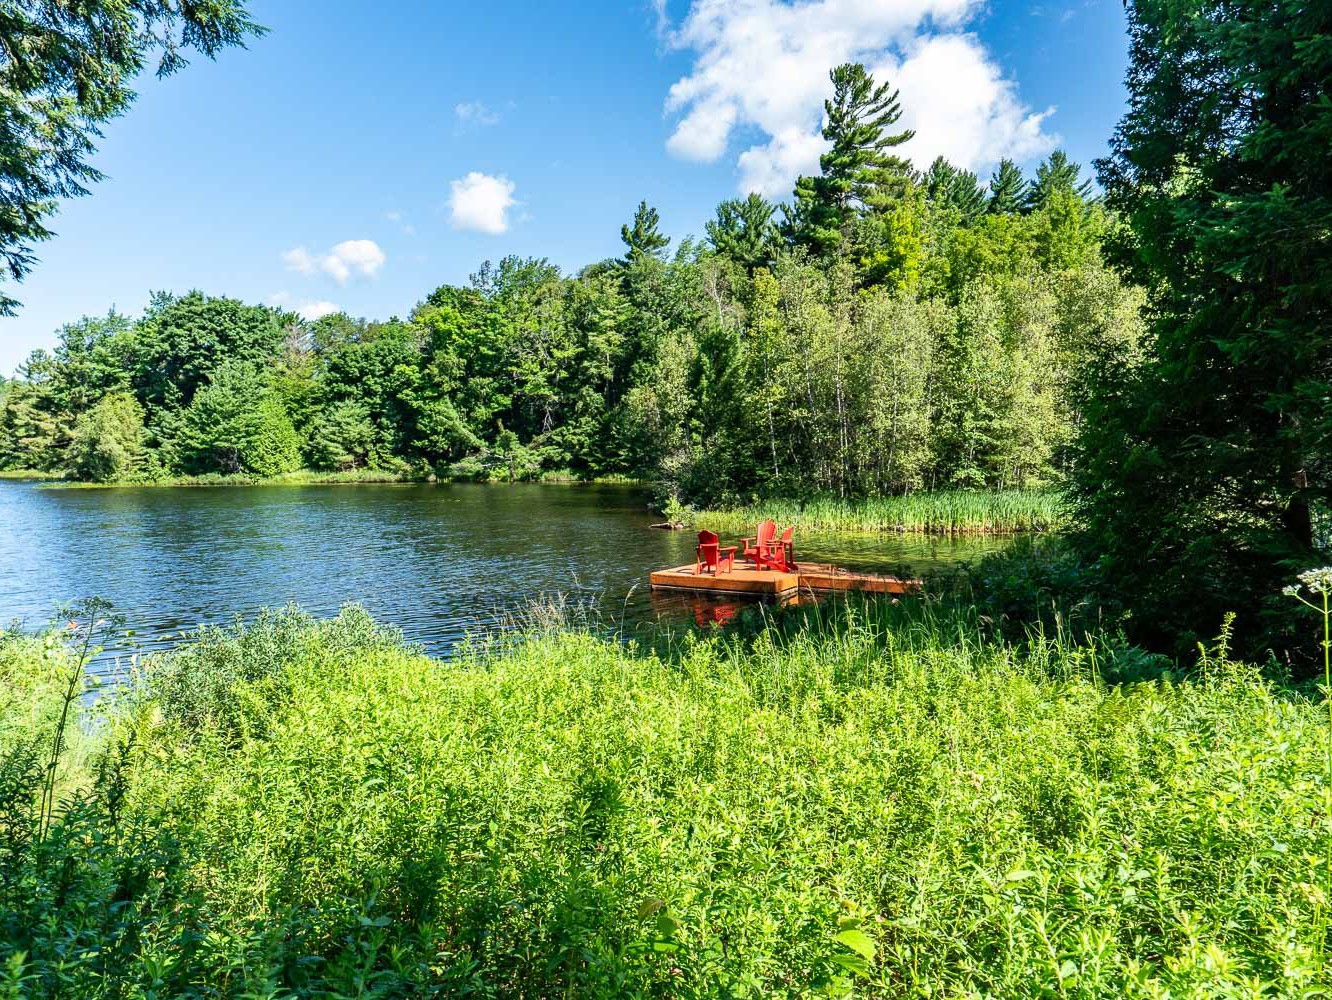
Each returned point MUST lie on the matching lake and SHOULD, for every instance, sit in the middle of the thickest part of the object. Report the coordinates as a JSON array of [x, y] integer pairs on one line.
[[436, 561]]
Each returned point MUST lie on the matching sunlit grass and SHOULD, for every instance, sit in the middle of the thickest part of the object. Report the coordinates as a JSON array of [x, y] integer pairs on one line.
[[871, 798], [29, 474], [1007, 512], [300, 478]]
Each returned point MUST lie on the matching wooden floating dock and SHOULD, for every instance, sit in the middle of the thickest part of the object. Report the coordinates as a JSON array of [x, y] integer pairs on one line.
[[819, 578]]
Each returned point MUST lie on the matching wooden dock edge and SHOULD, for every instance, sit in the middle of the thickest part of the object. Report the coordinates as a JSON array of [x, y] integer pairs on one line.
[[813, 578]]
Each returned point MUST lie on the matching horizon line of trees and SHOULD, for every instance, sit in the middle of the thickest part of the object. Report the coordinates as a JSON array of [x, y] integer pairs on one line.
[[893, 330]]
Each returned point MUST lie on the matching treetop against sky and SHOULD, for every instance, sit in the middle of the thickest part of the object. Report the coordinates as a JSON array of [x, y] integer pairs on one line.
[[348, 162]]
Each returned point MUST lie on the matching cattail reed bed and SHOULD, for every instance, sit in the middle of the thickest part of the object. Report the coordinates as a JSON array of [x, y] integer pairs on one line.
[[952, 513]]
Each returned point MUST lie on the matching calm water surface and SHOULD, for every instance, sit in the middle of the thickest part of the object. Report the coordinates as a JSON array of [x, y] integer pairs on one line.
[[437, 561]]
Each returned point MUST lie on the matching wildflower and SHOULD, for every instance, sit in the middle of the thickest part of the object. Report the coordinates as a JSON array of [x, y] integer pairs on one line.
[[1319, 581]]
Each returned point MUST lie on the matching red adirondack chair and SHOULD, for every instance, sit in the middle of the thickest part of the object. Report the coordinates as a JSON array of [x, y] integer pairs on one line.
[[779, 554], [711, 556], [761, 541]]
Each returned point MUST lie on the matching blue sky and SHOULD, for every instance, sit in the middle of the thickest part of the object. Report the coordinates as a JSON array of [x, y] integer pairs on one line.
[[360, 155]]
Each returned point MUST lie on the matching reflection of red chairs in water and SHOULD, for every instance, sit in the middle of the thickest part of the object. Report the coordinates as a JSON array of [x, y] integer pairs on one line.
[[710, 556], [714, 614]]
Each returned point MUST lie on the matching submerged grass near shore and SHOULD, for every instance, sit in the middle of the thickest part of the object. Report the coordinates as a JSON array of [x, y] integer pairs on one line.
[[878, 800], [948, 513]]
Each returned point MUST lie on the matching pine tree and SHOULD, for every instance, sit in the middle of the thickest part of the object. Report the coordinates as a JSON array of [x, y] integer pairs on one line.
[[858, 172], [642, 238], [744, 231], [1008, 190], [947, 186], [1055, 176]]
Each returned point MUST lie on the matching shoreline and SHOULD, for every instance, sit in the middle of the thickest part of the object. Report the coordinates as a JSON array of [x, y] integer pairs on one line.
[[949, 513]]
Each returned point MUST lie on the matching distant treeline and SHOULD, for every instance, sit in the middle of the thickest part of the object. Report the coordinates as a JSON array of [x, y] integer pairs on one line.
[[887, 331]]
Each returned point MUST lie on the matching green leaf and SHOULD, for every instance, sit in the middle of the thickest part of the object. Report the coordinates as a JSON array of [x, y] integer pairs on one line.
[[853, 964], [858, 941], [666, 925]]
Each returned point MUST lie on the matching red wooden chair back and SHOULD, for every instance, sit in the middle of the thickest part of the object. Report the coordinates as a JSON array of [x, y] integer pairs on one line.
[[778, 553], [762, 541], [710, 555]]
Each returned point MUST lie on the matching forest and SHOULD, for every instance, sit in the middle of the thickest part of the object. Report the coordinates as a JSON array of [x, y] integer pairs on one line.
[[886, 331]]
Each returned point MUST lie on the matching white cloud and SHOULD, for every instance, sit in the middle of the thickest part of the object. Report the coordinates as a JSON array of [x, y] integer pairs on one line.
[[309, 311], [314, 310], [299, 260], [962, 107], [359, 258], [481, 203], [475, 113], [763, 65]]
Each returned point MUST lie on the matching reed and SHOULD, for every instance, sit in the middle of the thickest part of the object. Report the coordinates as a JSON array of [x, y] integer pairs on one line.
[[950, 513]]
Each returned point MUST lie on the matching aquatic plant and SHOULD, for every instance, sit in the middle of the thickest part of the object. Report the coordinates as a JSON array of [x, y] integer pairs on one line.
[[948, 513]]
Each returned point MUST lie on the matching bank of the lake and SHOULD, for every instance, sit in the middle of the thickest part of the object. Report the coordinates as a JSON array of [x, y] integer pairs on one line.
[[30, 475], [304, 477], [889, 806], [311, 477], [992, 512], [946, 512]]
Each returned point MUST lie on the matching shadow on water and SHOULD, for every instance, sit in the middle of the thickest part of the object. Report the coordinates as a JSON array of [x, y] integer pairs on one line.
[[435, 561]]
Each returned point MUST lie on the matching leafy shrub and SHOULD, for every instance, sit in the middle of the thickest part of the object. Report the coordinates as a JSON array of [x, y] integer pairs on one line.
[[207, 682], [1038, 581]]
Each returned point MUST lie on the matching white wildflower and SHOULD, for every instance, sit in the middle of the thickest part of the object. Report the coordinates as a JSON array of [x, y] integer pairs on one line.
[[1319, 581]]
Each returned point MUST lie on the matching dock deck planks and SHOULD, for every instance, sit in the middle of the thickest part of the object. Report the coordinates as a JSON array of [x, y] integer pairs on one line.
[[816, 577]]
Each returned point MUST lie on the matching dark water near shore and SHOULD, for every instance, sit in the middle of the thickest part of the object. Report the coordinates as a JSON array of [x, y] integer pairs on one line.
[[436, 561]]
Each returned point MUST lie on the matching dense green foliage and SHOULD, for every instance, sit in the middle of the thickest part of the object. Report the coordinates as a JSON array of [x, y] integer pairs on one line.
[[65, 71], [1206, 471], [888, 337], [891, 804]]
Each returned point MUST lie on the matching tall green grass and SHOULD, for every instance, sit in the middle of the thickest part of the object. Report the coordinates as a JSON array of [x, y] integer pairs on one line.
[[949, 513], [25, 475], [879, 802]]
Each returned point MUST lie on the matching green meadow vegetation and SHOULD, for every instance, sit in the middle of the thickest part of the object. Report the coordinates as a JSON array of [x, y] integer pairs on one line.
[[880, 800]]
